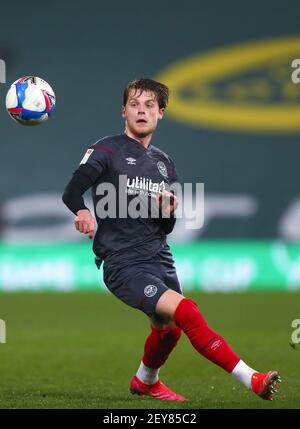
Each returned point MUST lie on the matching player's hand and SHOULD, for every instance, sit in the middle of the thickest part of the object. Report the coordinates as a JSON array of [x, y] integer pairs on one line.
[[85, 223], [167, 202]]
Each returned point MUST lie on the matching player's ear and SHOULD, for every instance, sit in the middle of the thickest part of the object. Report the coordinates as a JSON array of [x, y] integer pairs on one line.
[[161, 113], [123, 112]]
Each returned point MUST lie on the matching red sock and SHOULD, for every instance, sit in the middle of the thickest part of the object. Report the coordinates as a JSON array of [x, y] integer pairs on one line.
[[207, 342], [159, 345]]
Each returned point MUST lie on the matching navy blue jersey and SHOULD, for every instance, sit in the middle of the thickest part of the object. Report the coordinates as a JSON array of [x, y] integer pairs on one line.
[[144, 172]]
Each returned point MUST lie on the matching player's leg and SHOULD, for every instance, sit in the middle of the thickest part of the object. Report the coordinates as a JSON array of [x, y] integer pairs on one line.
[[140, 289], [165, 334], [211, 345], [159, 344]]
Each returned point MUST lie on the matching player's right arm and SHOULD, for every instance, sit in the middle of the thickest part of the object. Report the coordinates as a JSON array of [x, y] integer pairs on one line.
[[95, 161], [85, 222], [83, 178]]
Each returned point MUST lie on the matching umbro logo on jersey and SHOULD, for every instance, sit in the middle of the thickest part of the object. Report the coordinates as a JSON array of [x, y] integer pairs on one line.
[[131, 161]]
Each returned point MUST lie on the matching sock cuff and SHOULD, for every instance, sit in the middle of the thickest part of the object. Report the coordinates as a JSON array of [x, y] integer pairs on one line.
[[184, 307]]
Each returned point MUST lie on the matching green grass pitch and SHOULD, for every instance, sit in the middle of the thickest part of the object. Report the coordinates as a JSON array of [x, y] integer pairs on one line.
[[79, 350]]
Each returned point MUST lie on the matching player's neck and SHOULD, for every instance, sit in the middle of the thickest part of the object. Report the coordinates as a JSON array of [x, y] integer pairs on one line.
[[145, 141]]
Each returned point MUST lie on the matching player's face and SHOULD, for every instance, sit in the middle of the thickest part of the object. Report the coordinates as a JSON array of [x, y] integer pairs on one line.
[[141, 113]]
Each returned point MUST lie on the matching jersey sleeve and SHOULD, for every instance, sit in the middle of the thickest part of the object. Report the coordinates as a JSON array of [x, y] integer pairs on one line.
[[98, 156], [167, 224], [94, 163], [83, 178]]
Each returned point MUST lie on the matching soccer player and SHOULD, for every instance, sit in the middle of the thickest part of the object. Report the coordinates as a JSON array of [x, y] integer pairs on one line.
[[138, 265]]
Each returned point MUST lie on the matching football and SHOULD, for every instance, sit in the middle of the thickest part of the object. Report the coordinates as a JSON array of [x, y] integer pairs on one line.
[[30, 100]]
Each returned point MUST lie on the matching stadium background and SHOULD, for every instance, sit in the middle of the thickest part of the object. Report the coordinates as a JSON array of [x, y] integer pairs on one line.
[[234, 128]]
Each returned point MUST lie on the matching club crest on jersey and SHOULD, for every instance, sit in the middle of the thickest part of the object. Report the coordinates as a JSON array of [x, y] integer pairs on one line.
[[162, 169], [131, 161], [150, 290]]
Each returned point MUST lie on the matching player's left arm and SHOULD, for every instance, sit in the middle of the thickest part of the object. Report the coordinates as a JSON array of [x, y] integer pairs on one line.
[[168, 203]]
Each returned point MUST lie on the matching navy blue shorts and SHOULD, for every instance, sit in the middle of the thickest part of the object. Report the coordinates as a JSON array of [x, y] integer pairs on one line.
[[140, 283]]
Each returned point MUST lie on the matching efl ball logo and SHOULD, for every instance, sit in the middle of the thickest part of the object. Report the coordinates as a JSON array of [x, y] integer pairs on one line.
[[30, 101]]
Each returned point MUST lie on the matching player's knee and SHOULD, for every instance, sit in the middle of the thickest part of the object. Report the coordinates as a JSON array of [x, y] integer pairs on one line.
[[167, 304]]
